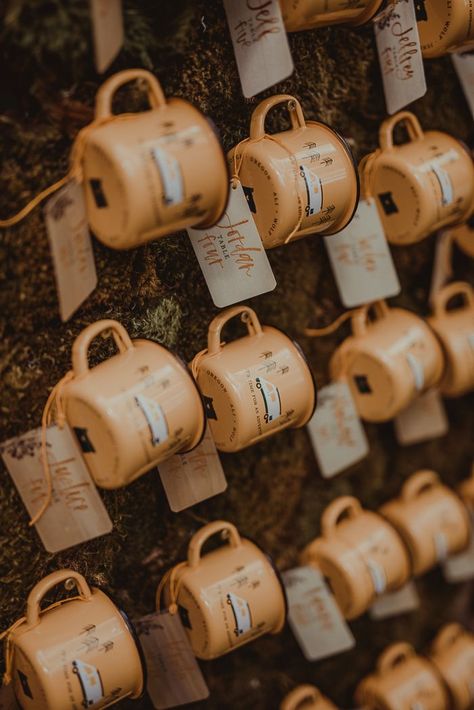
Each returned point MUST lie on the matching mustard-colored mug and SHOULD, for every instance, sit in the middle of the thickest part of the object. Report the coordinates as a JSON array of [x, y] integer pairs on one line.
[[306, 697], [227, 597], [310, 14], [455, 331], [254, 386], [452, 653], [388, 361], [466, 491], [402, 681], [133, 410], [463, 236], [430, 518], [444, 26], [81, 653], [422, 185], [298, 182], [360, 554], [151, 173]]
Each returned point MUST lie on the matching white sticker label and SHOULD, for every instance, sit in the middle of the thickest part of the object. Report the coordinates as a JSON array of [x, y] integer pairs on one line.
[[314, 616], [231, 255], [171, 177], [76, 513], [442, 265], [417, 369], [391, 604], [335, 430], [155, 418], [379, 578], [441, 546], [241, 612], [107, 30], [71, 247], [314, 190], [464, 65], [424, 419], [401, 62], [193, 477], [260, 43], [460, 567], [174, 677], [361, 260], [447, 192]]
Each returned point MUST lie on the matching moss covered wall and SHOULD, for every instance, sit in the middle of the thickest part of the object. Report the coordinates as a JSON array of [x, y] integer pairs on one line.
[[275, 493]]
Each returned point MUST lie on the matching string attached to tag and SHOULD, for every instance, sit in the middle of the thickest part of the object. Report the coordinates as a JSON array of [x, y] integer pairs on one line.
[[54, 400], [174, 585], [237, 166], [7, 635], [332, 327]]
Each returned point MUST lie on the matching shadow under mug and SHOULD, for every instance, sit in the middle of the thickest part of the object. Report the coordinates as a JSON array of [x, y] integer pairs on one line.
[[151, 173], [422, 185], [390, 359], [229, 596], [360, 554], [255, 386], [402, 681], [82, 653], [430, 518], [133, 410]]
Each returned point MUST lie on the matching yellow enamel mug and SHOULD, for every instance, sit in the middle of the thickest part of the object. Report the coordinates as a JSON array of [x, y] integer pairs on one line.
[[445, 26]]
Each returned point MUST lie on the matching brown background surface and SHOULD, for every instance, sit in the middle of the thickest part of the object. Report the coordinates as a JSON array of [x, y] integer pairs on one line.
[[275, 493]]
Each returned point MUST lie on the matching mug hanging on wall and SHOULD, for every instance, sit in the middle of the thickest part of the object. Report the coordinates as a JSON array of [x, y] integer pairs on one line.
[[453, 655], [227, 597], [430, 518], [306, 697], [444, 26], [131, 411], [151, 173], [82, 652], [402, 681], [422, 185], [388, 361], [255, 386], [455, 331], [309, 14], [360, 554], [298, 182]]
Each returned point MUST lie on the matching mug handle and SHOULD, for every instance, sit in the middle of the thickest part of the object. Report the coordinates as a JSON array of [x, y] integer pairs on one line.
[[81, 344], [299, 695], [393, 655], [415, 131], [447, 636], [361, 317], [442, 298], [104, 97], [419, 482], [214, 334], [40, 589], [202, 535], [257, 122], [331, 516]]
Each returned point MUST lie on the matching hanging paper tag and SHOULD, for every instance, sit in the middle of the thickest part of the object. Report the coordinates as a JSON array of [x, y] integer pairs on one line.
[[174, 677], [260, 43], [401, 62], [107, 31], [71, 247], [191, 478], [396, 603], [76, 513], [231, 255], [335, 430], [464, 65], [314, 617], [361, 260], [442, 264], [423, 420], [7, 698], [460, 567]]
